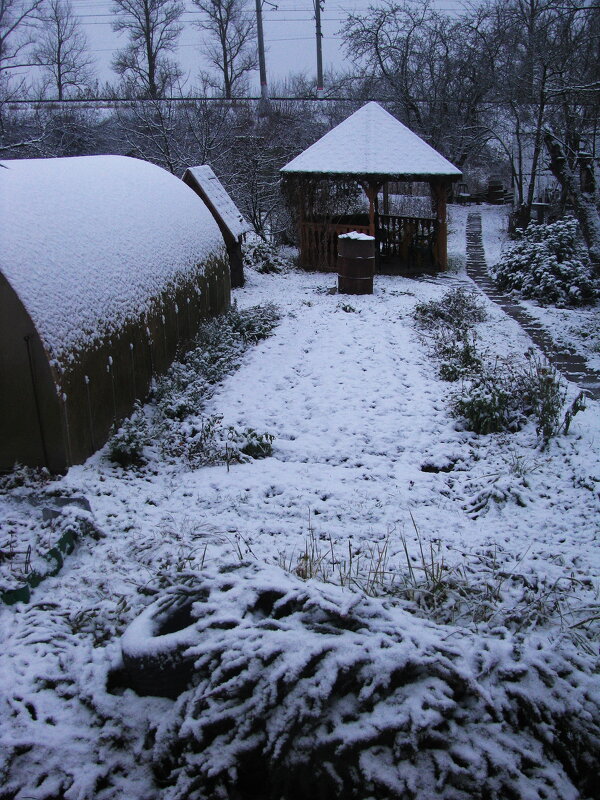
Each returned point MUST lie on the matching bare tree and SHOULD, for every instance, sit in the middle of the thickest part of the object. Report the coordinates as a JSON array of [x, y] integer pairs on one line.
[[176, 135], [62, 51], [431, 67], [546, 67], [153, 27], [17, 18], [232, 31], [16, 36]]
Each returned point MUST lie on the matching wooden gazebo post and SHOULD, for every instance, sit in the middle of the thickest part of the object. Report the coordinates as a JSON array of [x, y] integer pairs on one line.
[[371, 194], [439, 191], [371, 189]]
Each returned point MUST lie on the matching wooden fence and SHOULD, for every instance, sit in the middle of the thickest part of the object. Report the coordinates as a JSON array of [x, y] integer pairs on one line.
[[318, 245], [403, 244]]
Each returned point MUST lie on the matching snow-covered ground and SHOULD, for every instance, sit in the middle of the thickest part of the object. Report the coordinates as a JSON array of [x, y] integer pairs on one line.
[[494, 227], [366, 458]]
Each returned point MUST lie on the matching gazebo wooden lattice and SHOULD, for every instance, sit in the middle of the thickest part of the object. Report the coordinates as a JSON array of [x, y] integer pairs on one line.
[[370, 149]]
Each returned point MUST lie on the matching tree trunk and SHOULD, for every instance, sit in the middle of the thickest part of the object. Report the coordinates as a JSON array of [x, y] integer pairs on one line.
[[537, 144], [584, 201]]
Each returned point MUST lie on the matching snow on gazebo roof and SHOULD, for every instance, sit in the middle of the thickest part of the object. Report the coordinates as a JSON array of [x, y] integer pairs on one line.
[[371, 142], [89, 243], [204, 181]]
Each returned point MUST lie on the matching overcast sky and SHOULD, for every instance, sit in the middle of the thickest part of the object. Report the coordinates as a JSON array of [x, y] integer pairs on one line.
[[289, 35]]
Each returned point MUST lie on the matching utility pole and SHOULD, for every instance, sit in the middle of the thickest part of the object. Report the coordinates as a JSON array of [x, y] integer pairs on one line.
[[264, 93], [318, 9]]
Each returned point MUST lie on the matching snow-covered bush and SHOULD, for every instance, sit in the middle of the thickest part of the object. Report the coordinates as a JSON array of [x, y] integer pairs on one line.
[[126, 446], [457, 309], [199, 442], [305, 690], [451, 321], [181, 391], [487, 404], [547, 264], [502, 397], [495, 395], [178, 425], [458, 356], [219, 346], [21, 475], [264, 257], [203, 441], [253, 324], [249, 444]]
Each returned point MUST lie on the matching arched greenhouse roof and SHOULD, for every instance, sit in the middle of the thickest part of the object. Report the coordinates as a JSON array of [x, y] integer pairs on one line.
[[89, 243]]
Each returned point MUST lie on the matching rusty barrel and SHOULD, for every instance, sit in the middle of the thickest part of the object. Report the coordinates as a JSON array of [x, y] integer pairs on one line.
[[356, 263]]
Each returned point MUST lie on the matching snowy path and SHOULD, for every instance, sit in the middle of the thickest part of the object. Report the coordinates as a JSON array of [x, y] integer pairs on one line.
[[357, 412], [332, 391], [571, 365]]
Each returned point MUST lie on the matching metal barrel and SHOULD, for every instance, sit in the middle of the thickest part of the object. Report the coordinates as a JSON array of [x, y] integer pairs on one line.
[[356, 263]]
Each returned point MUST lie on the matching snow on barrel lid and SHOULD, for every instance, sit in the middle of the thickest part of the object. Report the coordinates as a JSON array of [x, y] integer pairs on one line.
[[88, 243], [357, 235], [372, 142]]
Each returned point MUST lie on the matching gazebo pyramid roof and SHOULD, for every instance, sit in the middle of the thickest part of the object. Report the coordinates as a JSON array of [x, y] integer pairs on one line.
[[371, 142]]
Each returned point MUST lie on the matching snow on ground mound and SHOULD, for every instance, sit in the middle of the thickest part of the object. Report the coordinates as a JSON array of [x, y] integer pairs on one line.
[[90, 242], [304, 690]]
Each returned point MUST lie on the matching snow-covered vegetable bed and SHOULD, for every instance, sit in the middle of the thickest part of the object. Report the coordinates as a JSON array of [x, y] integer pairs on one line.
[[37, 532], [503, 554]]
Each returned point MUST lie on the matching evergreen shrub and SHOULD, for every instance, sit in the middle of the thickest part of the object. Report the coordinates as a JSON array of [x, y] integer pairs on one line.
[[547, 264], [264, 258], [126, 446]]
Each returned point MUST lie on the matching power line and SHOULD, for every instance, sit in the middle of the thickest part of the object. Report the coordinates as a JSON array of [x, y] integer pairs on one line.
[[242, 99]]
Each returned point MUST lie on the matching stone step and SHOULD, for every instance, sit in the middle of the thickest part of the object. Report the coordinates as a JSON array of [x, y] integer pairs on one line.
[[572, 366]]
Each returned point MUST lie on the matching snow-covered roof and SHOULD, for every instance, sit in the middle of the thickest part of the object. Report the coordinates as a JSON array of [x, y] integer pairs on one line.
[[210, 188], [88, 242], [372, 142]]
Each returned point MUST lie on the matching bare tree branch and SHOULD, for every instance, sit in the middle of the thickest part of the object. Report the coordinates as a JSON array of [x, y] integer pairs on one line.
[[153, 27], [233, 32], [62, 50]]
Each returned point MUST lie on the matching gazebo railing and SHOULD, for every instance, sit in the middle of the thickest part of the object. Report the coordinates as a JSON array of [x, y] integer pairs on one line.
[[407, 242], [318, 247]]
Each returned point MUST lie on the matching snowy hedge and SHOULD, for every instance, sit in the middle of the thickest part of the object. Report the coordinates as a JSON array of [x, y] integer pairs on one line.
[[303, 690], [547, 264], [175, 420], [264, 257]]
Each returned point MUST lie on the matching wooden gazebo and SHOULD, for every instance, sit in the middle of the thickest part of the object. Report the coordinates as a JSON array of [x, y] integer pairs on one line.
[[370, 151]]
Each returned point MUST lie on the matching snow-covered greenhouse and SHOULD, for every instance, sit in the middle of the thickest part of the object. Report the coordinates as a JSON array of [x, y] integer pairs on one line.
[[107, 266], [405, 182]]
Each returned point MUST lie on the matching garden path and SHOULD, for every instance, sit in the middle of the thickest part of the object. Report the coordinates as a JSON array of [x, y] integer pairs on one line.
[[571, 365]]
